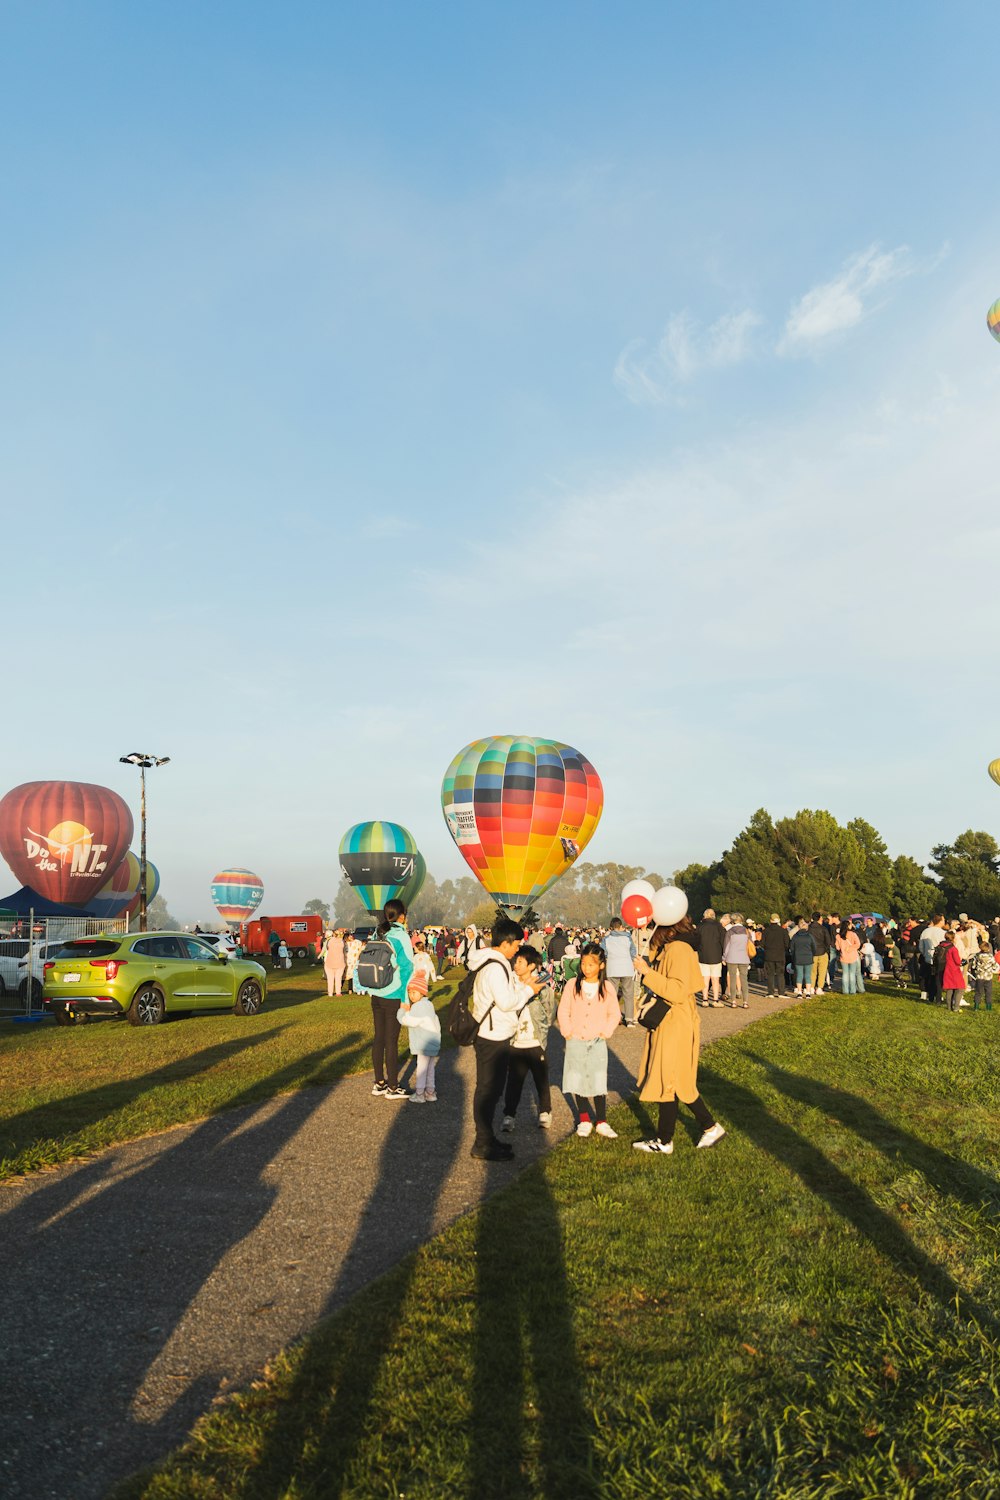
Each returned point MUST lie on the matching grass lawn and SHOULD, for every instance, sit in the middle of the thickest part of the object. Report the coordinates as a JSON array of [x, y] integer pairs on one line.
[[67, 1091], [810, 1309]]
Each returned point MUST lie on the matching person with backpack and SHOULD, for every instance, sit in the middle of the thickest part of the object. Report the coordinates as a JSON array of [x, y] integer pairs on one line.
[[389, 958], [527, 1050], [494, 998]]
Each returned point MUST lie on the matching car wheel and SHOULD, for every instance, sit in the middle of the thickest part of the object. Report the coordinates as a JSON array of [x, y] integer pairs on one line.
[[35, 989], [250, 998], [148, 1006]]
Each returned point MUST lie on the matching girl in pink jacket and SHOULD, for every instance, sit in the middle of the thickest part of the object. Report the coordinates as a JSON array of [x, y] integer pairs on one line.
[[588, 1014]]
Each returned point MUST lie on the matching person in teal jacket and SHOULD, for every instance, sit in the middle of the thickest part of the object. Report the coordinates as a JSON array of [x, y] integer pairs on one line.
[[386, 1003]]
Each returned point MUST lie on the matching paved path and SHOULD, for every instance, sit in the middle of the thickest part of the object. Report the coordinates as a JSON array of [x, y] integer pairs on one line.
[[138, 1285]]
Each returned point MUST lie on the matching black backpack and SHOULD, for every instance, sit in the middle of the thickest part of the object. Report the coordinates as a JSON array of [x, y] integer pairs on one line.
[[375, 966], [462, 1024]]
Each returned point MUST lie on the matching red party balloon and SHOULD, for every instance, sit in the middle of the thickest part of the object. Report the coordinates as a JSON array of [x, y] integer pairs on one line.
[[64, 839], [636, 911]]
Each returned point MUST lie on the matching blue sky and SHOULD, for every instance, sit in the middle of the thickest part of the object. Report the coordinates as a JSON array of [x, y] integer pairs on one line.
[[376, 378]]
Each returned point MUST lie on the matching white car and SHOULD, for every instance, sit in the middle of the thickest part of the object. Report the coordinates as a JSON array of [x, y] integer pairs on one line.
[[11, 951], [40, 953], [222, 942]]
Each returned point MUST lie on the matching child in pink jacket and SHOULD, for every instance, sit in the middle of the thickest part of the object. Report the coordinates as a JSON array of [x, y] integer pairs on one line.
[[588, 1015]]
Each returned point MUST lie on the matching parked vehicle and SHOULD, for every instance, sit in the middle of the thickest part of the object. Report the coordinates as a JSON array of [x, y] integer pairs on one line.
[[303, 935], [12, 950], [143, 976], [41, 953]]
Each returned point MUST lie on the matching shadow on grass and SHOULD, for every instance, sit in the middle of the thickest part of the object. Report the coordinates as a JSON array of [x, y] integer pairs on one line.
[[315, 1434], [101, 1267], [530, 1430], [838, 1190], [78, 1111]]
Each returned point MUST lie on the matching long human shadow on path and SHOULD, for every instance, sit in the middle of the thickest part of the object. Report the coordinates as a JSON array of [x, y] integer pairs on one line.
[[85, 1109], [524, 1322], [948, 1174], [92, 1299], [313, 1443], [840, 1192]]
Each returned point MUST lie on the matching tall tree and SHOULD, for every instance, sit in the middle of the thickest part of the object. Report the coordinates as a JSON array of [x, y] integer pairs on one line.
[[750, 880], [968, 872], [874, 888], [158, 918], [913, 895], [820, 862], [696, 881], [317, 908]]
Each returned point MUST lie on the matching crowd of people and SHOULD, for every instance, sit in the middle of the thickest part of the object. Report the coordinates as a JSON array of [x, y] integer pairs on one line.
[[588, 982]]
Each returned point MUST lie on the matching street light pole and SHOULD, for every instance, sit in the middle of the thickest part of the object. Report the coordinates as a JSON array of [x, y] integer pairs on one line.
[[143, 762]]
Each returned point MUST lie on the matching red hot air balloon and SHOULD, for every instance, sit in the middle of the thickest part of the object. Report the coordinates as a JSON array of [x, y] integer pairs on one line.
[[64, 839]]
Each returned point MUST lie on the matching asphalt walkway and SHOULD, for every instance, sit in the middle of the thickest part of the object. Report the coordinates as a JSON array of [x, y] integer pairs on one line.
[[141, 1284]]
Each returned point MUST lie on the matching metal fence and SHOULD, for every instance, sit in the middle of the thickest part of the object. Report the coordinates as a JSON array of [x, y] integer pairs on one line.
[[25, 946]]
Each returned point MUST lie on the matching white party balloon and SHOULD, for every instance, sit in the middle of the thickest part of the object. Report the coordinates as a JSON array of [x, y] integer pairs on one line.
[[638, 888], [669, 905]]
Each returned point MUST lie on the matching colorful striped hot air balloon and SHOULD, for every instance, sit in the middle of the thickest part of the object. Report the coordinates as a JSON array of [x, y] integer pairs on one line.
[[994, 770], [379, 861], [520, 810], [121, 893], [237, 893], [993, 320]]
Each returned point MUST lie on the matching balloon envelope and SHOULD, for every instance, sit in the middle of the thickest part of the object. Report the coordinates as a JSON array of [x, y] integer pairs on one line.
[[994, 770], [379, 861], [638, 888], [237, 893], [669, 905], [64, 839], [152, 886], [121, 893], [411, 890], [520, 810], [993, 320]]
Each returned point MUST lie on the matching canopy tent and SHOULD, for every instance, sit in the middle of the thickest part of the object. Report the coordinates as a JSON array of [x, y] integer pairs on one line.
[[25, 901]]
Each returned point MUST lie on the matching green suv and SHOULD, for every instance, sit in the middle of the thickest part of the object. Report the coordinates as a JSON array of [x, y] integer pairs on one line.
[[143, 975]]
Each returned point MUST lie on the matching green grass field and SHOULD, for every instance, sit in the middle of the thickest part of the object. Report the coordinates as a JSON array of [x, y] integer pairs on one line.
[[69, 1091], [810, 1309]]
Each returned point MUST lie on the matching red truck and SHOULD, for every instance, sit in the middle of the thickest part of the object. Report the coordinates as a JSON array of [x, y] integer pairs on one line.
[[303, 935]]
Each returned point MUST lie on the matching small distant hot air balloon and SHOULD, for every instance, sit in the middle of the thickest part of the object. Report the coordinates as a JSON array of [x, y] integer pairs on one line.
[[379, 861], [994, 770], [411, 890], [520, 810], [993, 320], [64, 839], [237, 893]]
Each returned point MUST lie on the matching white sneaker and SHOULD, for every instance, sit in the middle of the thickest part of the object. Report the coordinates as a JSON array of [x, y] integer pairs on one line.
[[418, 1098], [964, 1005], [655, 1146], [508, 1124], [544, 1120], [713, 1134], [808, 992], [603, 1128], [430, 1097], [585, 1127]]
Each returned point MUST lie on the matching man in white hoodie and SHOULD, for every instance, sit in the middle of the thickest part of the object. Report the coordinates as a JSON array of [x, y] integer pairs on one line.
[[496, 998]]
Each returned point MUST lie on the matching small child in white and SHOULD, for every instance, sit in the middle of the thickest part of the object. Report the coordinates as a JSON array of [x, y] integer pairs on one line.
[[418, 1015]]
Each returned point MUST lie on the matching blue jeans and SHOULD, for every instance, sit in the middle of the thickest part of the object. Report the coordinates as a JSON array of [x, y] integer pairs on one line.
[[853, 984], [803, 976]]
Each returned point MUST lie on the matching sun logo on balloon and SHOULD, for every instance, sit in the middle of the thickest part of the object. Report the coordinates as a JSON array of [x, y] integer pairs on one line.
[[63, 839]]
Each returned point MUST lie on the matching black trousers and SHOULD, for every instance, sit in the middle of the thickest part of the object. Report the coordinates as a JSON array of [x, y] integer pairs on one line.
[[668, 1117], [774, 975], [596, 1108], [492, 1061], [385, 1048], [522, 1061]]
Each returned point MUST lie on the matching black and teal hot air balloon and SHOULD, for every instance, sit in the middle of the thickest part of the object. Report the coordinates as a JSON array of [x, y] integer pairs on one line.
[[379, 860], [411, 890]]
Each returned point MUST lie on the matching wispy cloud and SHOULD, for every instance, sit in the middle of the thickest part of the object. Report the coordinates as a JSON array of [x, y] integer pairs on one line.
[[653, 377], [837, 305], [384, 528]]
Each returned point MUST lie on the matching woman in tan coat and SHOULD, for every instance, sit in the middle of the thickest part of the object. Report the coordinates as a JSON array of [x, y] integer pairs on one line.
[[669, 1069]]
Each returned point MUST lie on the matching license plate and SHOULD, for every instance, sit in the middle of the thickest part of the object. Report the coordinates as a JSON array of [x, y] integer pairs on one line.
[[71, 979]]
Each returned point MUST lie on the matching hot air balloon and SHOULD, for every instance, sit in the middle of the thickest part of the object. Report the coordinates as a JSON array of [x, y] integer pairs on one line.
[[411, 890], [520, 810], [64, 839], [237, 893], [116, 894], [152, 886], [993, 320], [994, 770], [379, 860]]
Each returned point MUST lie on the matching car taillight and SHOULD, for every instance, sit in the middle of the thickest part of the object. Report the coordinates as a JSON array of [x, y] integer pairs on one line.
[[49, 964], [110, 965]]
